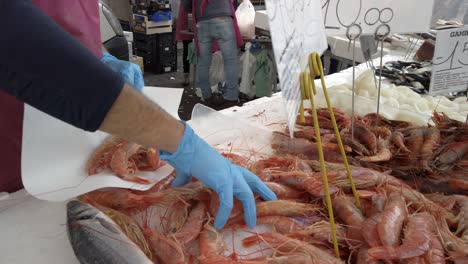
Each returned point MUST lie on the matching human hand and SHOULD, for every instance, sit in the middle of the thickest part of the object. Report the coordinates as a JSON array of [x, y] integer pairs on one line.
[[130, 72], [194, 157]]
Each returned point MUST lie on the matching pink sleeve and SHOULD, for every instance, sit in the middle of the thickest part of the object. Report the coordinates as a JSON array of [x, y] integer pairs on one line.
[[80, 18]]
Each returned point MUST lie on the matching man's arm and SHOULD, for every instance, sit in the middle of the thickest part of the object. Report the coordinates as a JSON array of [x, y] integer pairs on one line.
[[47, 68], [135, 117]]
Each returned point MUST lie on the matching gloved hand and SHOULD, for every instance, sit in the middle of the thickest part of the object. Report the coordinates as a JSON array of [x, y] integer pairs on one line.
[[194, 157], [130, 72]]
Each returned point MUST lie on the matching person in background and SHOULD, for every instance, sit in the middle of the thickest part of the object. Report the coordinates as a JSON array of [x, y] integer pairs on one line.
[[215, 22], [182, 25], [54, 73]]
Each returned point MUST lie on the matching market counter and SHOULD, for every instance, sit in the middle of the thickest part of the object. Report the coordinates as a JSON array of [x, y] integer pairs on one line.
[[34, 231]]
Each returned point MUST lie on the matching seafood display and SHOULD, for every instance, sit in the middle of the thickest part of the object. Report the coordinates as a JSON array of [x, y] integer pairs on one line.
[[124, 159], [411, 183], [396, 102], [431, 159], [416, 75]]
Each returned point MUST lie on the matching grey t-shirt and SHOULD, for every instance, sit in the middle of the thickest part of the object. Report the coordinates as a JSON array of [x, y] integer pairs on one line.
[[213, 8]]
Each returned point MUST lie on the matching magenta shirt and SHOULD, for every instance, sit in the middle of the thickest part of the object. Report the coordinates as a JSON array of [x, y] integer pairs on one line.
[[80, 18]]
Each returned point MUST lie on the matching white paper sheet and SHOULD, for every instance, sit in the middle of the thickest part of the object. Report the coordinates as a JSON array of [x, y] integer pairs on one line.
[[230, 134], [296, 30], [54, 154], [400, 15]]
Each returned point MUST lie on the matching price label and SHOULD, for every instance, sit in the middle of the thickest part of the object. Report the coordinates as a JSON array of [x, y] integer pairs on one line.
[[297, 30], [450, 63], [403, 16]]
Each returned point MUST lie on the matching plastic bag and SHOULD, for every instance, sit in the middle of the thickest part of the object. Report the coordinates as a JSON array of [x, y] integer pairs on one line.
[[245, 15], [217, 75], [248, 64], [262, 75], [217, 69]]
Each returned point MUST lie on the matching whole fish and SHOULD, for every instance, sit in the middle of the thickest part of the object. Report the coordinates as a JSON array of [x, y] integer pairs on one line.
[[97, 239]]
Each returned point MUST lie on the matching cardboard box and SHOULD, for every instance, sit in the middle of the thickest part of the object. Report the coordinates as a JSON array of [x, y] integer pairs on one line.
[[138, 61]]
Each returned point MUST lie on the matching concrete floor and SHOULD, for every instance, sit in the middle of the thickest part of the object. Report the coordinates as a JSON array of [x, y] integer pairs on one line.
[[174, 80]]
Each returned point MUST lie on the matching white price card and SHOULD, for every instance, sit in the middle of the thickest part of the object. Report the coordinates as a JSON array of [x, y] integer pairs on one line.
[[297, 30], [403, 16], [450, 63]]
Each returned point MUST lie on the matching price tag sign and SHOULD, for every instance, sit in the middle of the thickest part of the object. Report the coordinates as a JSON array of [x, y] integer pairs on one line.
[[450, 63], [403, 16], [297, 30]]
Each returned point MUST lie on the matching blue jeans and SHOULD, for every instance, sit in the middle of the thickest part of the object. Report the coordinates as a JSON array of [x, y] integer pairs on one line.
[[220, 29]]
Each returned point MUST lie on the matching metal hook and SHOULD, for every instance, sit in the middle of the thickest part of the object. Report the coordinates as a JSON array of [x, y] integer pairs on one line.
[[353, 37], [381, 37]]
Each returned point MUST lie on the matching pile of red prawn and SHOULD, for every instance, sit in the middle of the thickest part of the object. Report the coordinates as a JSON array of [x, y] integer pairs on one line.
[[395, 224], [124, 159], [430, 158], [402, 219]]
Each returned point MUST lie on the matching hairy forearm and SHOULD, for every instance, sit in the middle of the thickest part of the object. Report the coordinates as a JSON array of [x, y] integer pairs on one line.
[[135, 117]]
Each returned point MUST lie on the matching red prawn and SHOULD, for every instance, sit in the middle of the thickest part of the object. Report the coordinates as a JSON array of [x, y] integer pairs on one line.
[[417, 240], [102, 156], [391, 223], [349, 213]]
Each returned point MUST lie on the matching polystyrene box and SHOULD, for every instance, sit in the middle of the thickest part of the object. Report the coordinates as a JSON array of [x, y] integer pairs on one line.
[[261, 20], [129, 36]]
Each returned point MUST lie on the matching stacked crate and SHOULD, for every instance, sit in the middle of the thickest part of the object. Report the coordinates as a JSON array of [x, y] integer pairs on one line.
[[159, 51]]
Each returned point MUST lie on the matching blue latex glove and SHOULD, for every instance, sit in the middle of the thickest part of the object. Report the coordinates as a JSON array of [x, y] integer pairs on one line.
[[194, 157], [130, 72]]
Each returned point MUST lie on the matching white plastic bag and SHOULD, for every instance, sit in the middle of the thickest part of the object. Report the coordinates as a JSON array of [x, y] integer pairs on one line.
[[248, 64], [245, 15], [217, 69]]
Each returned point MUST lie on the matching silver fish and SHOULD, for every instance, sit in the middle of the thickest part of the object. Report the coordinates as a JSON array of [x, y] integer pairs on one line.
[[97, 239]]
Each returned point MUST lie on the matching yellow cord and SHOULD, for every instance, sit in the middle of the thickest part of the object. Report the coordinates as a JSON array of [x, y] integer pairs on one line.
[[316, 69], [306, 89], [301, 109]]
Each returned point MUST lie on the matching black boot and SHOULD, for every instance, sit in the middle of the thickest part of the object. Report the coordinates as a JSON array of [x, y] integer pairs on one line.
[[186, 79], [228, 104], [214, 100]]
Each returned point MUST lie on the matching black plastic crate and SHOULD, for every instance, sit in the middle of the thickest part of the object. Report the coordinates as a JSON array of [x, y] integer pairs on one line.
[[165, 68], [145, 46], [148, 57], [168, 58], [164, 64], [166, 43], [144, 37], [166, 39], [159, 51]]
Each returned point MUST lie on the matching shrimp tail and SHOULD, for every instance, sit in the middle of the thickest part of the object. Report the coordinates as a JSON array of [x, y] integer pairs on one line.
[[384, 253], [136, 179]]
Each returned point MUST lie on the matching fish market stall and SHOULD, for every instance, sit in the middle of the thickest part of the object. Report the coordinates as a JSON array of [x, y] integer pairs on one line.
[[37, 230], [365, 171]]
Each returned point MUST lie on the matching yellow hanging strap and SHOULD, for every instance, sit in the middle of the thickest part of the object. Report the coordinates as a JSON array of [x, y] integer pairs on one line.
[[307, 92], [316, 69], [301, 109]]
